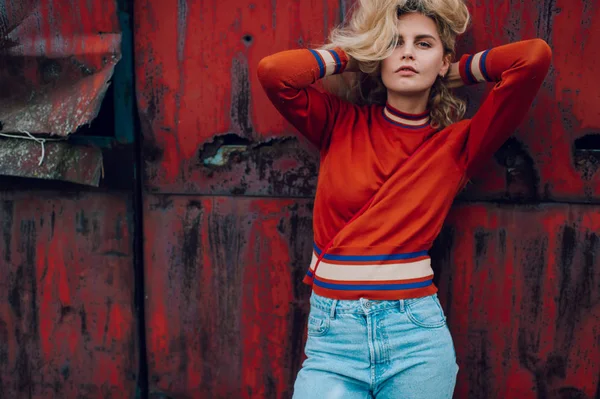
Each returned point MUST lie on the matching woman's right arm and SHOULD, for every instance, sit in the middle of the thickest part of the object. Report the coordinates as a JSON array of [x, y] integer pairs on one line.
[[287, 78]]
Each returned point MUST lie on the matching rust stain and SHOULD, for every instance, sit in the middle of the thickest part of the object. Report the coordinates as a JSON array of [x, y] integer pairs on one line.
[[517, 283], [211, 253], [181, 114], [64, 330]]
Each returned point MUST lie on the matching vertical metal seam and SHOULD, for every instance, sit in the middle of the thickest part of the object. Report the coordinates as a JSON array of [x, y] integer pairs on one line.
[[142, 388]]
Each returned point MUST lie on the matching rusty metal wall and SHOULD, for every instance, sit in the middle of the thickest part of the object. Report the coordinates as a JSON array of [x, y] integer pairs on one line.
[[518, 270], [555, 154], [198, 94], [225, 307], [521, 289], [228, 188], [67, 322]]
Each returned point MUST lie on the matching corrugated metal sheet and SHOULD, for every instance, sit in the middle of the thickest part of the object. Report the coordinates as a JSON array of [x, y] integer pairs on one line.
[[67, 325], [56, 58]]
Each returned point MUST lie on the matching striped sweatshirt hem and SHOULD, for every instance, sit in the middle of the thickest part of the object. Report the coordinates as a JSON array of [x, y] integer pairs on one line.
[[373, 276]]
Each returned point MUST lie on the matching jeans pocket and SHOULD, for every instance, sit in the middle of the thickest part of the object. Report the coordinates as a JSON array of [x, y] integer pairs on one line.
[[426, 312], [318, 323]]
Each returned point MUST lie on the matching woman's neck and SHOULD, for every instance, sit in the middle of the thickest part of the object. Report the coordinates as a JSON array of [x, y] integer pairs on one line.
[[408, 104]]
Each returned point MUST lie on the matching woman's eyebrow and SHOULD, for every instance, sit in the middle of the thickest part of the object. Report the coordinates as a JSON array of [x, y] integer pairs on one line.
[[425, 36], [420, 37]]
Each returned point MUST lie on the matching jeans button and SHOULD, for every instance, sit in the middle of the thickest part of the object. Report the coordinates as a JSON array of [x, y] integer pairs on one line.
[[367, 304]]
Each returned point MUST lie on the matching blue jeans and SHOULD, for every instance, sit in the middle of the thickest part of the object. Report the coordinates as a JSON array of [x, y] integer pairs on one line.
[[377, 349]]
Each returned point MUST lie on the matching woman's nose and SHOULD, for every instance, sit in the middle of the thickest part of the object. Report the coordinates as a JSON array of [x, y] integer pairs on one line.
[[407, 53]]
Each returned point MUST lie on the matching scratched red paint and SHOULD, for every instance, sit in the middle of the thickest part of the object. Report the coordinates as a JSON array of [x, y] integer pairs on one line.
[[196, 79], [267, 303], [566, 108], [518, 285], [225, 300], [67, 326]]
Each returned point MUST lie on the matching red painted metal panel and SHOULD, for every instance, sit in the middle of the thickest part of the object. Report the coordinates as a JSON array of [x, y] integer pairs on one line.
[[225, 309], [556, 152], [225, 306], [194, 101], [56, 58], [67, 326], [198, 94], [521, 288]]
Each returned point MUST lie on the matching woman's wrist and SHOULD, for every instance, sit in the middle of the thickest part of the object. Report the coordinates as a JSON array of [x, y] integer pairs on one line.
[[453, 78], [352, 65]]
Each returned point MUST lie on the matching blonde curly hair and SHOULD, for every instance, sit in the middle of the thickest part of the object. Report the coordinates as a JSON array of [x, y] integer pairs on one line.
[[370, 36]]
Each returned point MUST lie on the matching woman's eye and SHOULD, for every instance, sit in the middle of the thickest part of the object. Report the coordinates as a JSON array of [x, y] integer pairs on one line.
[[424, 44]]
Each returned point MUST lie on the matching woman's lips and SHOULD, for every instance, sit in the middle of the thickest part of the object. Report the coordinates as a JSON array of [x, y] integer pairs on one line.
[[406, 70]]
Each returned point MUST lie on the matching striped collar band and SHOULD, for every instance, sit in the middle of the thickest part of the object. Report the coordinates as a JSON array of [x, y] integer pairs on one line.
[[411, 121]]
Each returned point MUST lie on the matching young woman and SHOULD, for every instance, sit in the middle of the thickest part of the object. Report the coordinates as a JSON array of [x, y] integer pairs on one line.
[[394, 154]]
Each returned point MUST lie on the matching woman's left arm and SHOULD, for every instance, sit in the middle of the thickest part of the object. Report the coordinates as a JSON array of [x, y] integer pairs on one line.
[[518, 69]]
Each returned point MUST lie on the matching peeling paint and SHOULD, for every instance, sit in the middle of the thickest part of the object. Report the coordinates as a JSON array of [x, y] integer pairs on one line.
[[586, 155], [522, 178], [62, 161], [223, 155], [55, 64]]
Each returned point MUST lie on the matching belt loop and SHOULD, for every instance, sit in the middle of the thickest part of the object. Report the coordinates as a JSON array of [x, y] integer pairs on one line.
[[332, 310], [402, 304]]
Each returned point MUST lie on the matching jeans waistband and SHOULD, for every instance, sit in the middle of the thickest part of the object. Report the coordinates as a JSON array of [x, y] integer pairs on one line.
[[359, 306]]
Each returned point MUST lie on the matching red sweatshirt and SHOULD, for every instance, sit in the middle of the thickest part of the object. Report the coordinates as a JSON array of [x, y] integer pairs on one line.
[[403, 173]]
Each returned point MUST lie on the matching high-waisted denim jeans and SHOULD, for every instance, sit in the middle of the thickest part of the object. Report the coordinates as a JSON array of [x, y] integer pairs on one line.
[[377, 349]]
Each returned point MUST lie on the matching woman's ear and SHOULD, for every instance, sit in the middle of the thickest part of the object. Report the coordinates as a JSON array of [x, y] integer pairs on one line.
[[446, 62]]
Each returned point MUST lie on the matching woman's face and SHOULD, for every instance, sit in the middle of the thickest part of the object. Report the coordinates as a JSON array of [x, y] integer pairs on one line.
[[417, 60]]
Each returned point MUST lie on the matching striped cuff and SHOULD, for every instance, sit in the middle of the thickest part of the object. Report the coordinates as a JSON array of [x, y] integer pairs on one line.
[[473, 69], [330, 61]]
